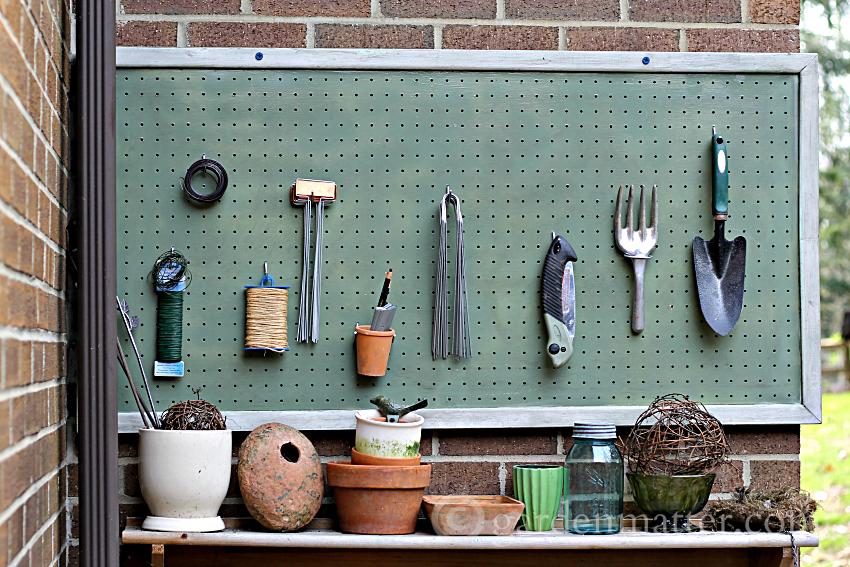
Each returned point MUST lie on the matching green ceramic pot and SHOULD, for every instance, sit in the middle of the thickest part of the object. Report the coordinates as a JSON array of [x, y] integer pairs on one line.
[[669, 501], [539, 487]]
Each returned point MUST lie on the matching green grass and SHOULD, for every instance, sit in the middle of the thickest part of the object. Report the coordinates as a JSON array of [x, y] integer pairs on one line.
[[825, 462]]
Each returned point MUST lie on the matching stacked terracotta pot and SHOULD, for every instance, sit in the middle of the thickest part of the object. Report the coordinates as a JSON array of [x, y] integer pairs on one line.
[[381, 490]]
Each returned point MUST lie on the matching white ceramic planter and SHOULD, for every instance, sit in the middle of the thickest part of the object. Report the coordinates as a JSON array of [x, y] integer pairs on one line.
[[382, 439], [184, 477]]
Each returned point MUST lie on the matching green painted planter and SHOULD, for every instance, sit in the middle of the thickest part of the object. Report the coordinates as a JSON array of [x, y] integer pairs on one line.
[[539, 487], [669, 501]]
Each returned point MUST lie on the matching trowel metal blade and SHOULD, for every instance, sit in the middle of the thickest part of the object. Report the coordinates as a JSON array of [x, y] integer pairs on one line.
[[720, 282]]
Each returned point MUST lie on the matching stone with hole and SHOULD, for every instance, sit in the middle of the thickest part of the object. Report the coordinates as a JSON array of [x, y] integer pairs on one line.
[[280, 477]]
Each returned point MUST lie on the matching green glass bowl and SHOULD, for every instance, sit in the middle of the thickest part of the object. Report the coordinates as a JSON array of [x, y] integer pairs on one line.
[[669, 501]]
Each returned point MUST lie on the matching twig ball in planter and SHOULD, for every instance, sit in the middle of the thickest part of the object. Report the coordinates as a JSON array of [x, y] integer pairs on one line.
[[676, 436], [280, 477], [193, 415]]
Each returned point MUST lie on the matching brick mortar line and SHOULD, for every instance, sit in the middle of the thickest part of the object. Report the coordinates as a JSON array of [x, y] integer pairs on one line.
[[745, 11], [182, 38], [4, 84], [496, 459], [28, 63], [246, 7], [36, 536], [624, 10], [27, 169], [310, 36], [31, 281], [245, 18], [21, 220], [766, 457], [500, 10], [27, 389], [31, 490], [27, 334], [438, 36], [562, 38]]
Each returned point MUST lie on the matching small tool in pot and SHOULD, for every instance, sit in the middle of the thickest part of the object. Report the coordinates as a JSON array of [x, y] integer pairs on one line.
[[559, 300], [636, 244], [719, 265]]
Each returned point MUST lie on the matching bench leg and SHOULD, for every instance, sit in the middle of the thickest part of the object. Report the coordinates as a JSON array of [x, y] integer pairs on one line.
[[157, 555]]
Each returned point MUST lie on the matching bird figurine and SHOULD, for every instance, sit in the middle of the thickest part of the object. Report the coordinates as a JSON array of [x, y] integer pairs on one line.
[[393, 411]]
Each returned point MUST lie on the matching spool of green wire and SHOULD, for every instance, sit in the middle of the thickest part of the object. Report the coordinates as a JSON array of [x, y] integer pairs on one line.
[[169, 326], [170, 276]]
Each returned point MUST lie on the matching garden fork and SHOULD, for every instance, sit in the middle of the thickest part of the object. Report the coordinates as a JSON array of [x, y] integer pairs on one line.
[[636, 244]]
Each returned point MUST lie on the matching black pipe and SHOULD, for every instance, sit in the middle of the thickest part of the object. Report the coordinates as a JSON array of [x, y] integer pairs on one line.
[[93, 94]]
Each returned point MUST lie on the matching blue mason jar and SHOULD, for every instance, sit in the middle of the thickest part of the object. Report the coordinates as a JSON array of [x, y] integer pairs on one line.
[[594, 500]]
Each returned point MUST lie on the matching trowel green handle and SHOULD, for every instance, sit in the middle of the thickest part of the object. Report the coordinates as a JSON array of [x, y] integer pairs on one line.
[[720, 175]]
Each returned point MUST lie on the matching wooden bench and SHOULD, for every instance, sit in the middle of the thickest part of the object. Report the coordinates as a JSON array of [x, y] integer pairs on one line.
[[320, 545]]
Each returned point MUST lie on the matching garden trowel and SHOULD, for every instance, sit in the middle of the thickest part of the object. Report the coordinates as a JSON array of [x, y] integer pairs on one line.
[[718, 263]]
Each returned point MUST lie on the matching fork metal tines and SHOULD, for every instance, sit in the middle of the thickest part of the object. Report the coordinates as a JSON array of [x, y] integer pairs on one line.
[[636, 243]]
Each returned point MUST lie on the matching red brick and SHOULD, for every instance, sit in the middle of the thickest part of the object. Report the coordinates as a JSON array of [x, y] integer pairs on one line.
[[514, 442], [775, 11], [777, 440], [592, 10], [685, 10], [181, 6], [131, 480], [774, 475], [730, 477], [17, 356], [332, 443], [128, 445], [312, 7], [775, 41], [622, 39], [482, 9], [372, 37], [146, 34], [5, 425], [499, 37], [231, 34], [464, 478]]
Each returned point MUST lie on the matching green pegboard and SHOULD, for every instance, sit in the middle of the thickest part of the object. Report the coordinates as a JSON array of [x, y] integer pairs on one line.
[[528, 153]]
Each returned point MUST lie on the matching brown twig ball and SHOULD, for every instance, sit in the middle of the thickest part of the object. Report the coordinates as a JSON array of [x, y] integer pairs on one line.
[[192, 415], [676, 436]]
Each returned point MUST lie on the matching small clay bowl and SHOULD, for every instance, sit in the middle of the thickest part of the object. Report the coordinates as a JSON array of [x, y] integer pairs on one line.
[[358, 458]]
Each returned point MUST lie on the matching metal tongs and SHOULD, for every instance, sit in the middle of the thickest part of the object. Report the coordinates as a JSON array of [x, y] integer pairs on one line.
[[306, 192], [460, 322]]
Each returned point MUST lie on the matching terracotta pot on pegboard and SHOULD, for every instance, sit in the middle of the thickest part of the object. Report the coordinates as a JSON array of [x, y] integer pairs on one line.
[[373, 350]]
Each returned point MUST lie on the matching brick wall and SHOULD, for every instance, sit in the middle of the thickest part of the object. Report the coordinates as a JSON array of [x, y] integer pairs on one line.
[[593, 25], [34, 71]]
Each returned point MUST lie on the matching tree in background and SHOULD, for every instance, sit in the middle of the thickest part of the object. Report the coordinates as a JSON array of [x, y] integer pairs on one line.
[[824, 31]]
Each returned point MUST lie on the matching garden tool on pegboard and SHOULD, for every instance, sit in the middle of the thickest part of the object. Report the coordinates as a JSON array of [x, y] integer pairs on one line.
[[307, 193], [719, 264]]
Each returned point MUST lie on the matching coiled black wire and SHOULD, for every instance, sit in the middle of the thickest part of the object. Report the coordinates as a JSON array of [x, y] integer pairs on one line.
[[206, 165]]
